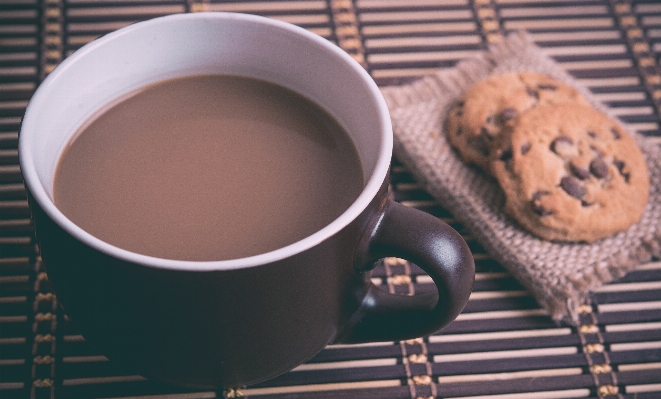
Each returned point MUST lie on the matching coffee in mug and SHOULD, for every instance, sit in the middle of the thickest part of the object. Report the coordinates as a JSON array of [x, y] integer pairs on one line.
[[207, 167], [237, 321]]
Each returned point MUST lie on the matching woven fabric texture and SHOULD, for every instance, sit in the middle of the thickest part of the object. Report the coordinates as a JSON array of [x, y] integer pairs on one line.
[[560, 275]]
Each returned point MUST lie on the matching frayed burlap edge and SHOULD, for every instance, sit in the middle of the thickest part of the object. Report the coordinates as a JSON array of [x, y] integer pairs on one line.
[[560, 275]]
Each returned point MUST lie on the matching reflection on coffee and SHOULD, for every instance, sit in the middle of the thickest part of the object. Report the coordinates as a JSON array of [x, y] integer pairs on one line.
[[208, 167]]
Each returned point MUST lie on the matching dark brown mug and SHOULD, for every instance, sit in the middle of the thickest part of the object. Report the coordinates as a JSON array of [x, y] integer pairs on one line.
[[236, 322]]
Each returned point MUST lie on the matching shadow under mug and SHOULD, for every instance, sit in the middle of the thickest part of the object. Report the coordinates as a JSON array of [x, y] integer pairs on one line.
[[237, 322]]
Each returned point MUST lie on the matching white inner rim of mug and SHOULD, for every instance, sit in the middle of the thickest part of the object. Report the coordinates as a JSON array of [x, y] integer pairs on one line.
[[135, 56]]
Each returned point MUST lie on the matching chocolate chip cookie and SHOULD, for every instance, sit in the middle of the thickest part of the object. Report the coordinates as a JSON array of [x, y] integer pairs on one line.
[[475, 121], [570, 173]]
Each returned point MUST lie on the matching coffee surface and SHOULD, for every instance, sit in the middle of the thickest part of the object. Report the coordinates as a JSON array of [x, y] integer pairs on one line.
[[209, 167]]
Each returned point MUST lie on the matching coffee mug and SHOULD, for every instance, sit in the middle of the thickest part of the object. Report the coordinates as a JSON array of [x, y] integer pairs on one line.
[[232, 323]]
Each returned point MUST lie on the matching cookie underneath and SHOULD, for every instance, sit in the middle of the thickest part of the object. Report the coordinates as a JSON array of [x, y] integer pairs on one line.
[[475, 121]]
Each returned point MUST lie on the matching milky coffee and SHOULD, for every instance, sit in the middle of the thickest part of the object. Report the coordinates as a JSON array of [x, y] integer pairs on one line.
[[208, 167]]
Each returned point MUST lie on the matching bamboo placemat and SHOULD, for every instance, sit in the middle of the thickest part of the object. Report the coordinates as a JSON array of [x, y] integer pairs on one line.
[[502, 346]]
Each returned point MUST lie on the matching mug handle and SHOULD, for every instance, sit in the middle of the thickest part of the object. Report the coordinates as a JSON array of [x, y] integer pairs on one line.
[[414, 235]]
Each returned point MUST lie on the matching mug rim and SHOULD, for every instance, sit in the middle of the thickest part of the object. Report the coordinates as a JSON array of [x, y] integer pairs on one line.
[[370, 190]]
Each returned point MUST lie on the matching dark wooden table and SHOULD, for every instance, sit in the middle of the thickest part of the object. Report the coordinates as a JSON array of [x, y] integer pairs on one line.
[[502, 346]]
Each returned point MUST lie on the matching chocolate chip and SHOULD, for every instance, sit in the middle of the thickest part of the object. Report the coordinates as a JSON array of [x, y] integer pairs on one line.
[[592, 134], [547, 86], [532, 93], [458, 109], [525, 147], [572, 186], [489, 120], [620, 167], [579, 172], [599, 168], [616, 134], [539, 194], [479, 144], [458, 132], [596, 151], [585, 204], [537, 206], [484, 132], [507, 114], [506, 154], [540, 210], [563, 146]]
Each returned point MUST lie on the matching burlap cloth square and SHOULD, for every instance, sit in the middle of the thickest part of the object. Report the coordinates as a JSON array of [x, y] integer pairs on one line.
[[560, 275]]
